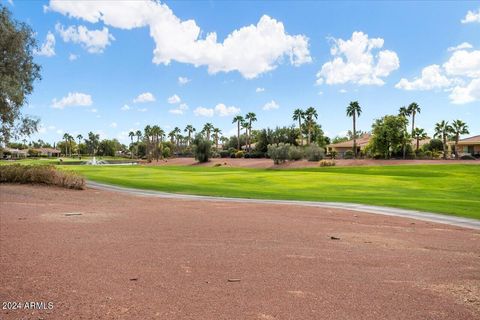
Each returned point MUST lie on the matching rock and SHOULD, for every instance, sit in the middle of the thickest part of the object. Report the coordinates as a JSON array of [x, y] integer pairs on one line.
[[334, 238]]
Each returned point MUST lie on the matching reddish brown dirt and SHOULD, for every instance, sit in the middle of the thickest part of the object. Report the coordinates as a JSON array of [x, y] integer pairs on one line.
[[104, 255], [267, 163]]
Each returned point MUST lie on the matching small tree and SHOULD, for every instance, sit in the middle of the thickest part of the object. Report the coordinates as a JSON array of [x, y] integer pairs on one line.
[[201, 149], [278, 152]]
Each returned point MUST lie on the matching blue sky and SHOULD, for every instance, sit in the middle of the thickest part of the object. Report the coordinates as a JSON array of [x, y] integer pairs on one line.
[[267, 57]]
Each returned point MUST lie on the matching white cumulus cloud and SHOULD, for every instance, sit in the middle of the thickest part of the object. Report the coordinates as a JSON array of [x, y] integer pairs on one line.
[[180, 109], [94, 41], [144, 97], [203, 112], [431, 78], [224, 111], [472, 16], [250, 50], [174, 99], [466, 94], [72, 57], [47, 49], [183, 80], [73, 99], [272, 105], [125, 107], [463, 45], [259, 90], [354, 61]]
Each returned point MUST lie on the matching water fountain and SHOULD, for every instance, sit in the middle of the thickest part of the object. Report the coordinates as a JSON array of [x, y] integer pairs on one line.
[[94, 162]]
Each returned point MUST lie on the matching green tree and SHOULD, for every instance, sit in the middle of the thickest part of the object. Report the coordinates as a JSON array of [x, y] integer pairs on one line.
[[207, 128], [458, 128], [413, 109], [387, 135], [419, 134], [443, 130], [131, 134], [201, 148], [79, 137], [310, 116], [354, 110], [216, 134], [92, 143], [239, 120], [299, 115], [18, 72], [190, 129], [250, 117]]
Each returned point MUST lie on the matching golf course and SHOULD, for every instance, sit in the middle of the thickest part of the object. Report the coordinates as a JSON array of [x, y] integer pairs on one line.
[[448, 189]]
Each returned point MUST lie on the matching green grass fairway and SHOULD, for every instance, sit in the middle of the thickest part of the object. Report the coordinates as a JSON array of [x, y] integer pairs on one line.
[[449, 189]]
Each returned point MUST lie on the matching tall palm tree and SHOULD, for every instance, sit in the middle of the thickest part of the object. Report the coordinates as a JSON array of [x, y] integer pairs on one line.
[[79, 137], [299, 115], [138, 133], [146, 135], [131, 134], [207, 128], [419, 134], [250, 117], [172, 134], [190, 129], [443, 130], [405, 113], [155, 132], [239, 120], [65, 137], [216, 133], [177, 132], [354, 110], [245, 126], [310, 116], [413, 109], [458, 128]]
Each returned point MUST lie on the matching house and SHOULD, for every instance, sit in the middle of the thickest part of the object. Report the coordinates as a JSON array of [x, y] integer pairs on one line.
[[47, 152], [469, 145], [342, 147], [11, 153]]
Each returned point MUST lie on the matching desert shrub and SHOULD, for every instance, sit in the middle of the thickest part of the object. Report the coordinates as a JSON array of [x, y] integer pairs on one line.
[[428, 154], [239, 154], [467, 157], [278, 152], [348, 154], [255, 155], [201, 149], [166, 153], [326, 163], [217, 165], [295, 153], [43, 174], [224, 153]]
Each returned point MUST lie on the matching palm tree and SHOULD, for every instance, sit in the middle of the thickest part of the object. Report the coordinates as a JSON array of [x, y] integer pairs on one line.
[[207, 128], [239, 120], [251, 117], [245, 126], [131, 134], [155, 132], [138, 133], [458, 128], [443, 131], [216, 133], [79, 137], [177, 132], [354, 110], [405, 113], [413, 109], [419, 134], [299, 115], [65, 137], [172, 135], [146, 135], [310, 115], [190, 129]]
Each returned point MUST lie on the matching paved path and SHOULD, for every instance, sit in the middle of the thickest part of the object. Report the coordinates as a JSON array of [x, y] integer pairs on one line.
[[413, 214]]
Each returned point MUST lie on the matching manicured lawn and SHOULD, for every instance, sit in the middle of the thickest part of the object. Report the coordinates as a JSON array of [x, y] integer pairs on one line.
[[450, 189]]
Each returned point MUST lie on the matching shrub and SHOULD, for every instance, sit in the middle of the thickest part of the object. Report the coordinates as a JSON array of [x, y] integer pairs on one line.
[[239, 154], [201, 149], [166, 153], [278, 152], [255, 155], [295, 153], [348, 154], [217, 165], [327, 163], [43, 174], [333, 154], [467, 157], [428, 154], [224, 153], [314, 153]]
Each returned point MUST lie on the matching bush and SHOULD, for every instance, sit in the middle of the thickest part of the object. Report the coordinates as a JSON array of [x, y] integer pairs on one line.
[[166, 153], [314, 153], [201, 149], [255, 155], [295, 153], [43, 174], [278, 152], [239, 154], [467, 157], [224, 153], [326, 163], [348, 154]]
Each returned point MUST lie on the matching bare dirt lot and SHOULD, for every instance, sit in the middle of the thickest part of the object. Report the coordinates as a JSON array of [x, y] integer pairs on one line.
[[268, 163], [104, 255]]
